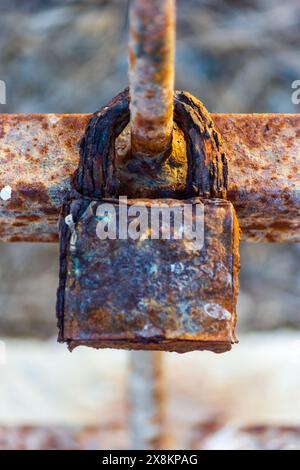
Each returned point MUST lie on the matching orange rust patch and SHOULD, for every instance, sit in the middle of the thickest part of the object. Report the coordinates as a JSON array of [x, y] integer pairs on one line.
[[36, 192]]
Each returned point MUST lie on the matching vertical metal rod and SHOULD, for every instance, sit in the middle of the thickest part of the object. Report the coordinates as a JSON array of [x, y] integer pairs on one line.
[[146, 400], [151, 75], [151, 81]]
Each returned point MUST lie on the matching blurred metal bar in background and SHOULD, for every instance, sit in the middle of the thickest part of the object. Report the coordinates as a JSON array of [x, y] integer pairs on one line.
[[146, 400], [151, 76], [39, 153]]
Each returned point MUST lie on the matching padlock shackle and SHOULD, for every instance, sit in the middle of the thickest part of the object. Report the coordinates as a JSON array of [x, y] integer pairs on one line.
[[151, 76], [97, 176]]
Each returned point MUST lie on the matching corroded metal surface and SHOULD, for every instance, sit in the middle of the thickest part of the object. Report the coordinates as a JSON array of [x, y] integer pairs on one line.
[[38, 153], [156, 294], [151, 75], [99, 174], [264, 174]]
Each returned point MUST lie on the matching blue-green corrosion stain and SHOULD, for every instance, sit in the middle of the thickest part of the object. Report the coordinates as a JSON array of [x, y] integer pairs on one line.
[[77, 270]]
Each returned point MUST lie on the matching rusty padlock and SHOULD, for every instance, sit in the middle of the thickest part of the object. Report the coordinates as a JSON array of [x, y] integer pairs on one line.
[[172, 294]]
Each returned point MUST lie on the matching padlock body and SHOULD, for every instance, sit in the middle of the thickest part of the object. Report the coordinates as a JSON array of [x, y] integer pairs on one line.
[[164, 293]]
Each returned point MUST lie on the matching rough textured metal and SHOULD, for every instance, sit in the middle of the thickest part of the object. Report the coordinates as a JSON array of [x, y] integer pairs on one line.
[[264, 174], [99, 173], [39, 153], [151, 76], [149, 294]]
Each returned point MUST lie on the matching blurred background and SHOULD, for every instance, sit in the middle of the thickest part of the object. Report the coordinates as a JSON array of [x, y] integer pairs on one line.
[[71, 57]]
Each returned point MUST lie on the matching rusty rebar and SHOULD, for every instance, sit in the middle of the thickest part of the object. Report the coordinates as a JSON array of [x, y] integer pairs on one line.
[[151, 75]]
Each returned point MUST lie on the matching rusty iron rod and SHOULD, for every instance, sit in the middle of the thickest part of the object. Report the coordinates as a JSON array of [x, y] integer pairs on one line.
[[151, 75], [151, 80], [38, 154], [146, 400]]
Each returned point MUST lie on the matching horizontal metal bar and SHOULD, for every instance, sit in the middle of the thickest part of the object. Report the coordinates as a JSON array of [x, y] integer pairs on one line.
[[38, 153]]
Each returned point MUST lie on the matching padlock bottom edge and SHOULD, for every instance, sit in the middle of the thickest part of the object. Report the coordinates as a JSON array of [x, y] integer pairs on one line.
[[179, 346]]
